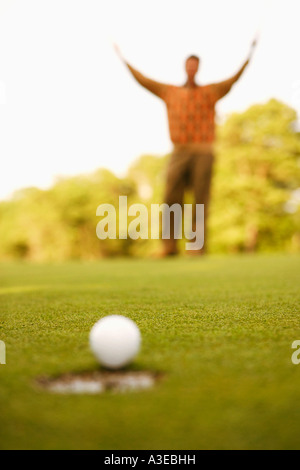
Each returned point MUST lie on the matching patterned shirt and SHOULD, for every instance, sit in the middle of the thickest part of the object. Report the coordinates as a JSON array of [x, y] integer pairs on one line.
[[191, 111], [191, 114]]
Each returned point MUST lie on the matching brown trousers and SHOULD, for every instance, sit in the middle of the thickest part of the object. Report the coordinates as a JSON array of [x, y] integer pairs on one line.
[[190, 166]]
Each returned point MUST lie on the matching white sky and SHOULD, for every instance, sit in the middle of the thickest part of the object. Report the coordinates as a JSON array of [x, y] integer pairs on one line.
[[68, 105]]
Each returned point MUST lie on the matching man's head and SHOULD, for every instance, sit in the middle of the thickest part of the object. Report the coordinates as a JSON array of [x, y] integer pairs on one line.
[[192, 66]]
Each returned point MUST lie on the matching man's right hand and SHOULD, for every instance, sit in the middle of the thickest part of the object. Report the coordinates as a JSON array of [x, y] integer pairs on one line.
[[118, 51]]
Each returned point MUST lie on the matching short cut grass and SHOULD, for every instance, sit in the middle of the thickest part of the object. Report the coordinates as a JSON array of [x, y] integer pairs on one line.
[[220, 329]]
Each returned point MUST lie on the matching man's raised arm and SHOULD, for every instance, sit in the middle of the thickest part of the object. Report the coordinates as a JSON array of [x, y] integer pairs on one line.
[[222, 88], [154, 87]]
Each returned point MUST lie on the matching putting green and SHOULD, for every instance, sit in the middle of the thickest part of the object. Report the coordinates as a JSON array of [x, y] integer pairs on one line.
[[219, 328]]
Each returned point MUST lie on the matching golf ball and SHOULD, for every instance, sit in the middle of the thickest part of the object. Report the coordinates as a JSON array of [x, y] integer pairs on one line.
[[115, 340]]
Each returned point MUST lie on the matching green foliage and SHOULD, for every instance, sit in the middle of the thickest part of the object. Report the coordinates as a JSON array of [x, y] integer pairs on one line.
[[256, 174], [257, 171], [60, 223]]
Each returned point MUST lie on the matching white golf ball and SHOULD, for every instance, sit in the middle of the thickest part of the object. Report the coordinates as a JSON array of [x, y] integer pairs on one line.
[[115, 340]]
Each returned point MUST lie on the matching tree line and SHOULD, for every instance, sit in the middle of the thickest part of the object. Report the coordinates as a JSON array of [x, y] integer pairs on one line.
[[255, 197]]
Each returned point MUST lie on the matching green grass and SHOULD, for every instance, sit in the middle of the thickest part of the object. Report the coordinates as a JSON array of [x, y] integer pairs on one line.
[[220, 328]]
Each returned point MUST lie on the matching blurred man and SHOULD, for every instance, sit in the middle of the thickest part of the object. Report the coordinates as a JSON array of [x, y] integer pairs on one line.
[[191, 115]]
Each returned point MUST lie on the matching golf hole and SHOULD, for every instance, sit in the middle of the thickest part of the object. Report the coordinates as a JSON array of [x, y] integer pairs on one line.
[[94, 383]]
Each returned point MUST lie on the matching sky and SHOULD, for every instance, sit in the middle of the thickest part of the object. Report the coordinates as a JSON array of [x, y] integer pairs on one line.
[[68, 105]]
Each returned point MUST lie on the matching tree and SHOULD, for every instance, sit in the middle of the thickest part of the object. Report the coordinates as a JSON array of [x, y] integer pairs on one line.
[[257, 170], [255, 197]]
